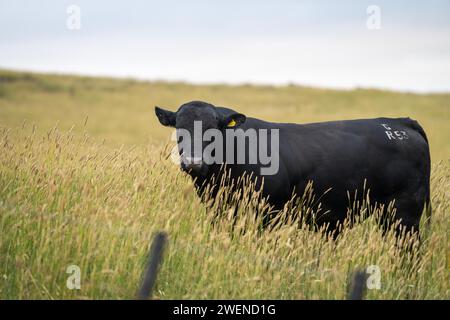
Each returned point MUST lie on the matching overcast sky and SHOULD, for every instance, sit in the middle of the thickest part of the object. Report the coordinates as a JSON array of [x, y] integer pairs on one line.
[[315, 43]]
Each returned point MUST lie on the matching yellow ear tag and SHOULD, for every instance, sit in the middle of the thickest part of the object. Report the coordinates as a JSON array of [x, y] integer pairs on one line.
[[232, 123]]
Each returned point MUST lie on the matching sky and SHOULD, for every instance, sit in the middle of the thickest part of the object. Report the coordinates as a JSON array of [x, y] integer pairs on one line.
[[314, 43]]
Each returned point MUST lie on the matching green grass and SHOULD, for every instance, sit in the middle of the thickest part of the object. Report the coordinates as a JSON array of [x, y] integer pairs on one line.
[[85, 180]]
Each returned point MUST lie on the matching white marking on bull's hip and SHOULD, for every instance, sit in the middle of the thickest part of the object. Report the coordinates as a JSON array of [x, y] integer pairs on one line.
[[394, 134]]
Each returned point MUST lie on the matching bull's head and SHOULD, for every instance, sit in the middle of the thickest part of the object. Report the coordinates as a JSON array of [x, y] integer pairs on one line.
[[191, 118]]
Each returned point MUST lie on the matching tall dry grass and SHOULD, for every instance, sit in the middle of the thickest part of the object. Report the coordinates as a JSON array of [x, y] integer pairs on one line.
[[68, 199], [93, 192]]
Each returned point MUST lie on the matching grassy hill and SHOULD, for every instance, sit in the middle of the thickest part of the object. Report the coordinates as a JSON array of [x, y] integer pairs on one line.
[[121, 111], [85, 180]]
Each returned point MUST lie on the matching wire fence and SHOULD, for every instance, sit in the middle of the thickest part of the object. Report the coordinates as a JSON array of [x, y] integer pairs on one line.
[[355, 291]]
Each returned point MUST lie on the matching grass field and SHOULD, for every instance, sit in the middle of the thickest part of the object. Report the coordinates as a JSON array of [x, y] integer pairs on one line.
[[85, 180]]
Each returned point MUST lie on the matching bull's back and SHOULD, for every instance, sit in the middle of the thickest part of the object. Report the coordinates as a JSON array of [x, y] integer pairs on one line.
[[389, 156]]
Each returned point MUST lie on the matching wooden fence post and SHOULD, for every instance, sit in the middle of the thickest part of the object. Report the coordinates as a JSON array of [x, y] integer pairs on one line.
[[153, 264], [357, 286]]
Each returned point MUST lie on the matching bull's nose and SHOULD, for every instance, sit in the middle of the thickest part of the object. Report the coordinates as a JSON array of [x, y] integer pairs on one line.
[[193, 167], [192, 164]]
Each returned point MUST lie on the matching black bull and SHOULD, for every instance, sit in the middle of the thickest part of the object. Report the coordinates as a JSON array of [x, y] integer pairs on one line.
[[390, 156]]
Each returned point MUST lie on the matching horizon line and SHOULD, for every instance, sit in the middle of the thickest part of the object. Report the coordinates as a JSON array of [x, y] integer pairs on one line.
[[221, 83]]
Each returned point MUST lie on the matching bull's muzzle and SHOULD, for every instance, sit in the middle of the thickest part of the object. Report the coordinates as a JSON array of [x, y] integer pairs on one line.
[[191, 164]]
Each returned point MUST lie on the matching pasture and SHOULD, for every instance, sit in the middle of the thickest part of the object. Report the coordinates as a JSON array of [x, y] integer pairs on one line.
[[85, 180]]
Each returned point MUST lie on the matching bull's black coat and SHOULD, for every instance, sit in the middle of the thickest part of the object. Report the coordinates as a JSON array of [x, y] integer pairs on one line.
[[392, 155]]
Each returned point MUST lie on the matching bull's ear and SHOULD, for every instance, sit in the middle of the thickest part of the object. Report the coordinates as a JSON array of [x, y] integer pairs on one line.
[[166, 117], [234, 120]]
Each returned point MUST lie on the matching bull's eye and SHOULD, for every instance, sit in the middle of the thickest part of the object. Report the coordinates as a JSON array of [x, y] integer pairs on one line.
[[231, 124]]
